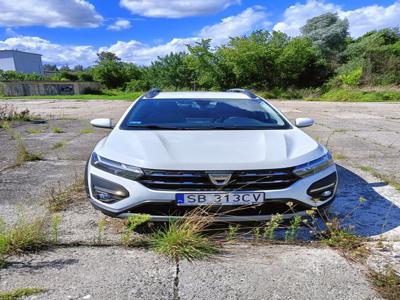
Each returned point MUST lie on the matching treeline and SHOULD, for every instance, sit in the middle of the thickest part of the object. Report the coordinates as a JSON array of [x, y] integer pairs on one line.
[[324, 56]]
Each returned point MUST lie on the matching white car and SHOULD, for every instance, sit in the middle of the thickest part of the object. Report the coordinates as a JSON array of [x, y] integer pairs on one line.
[[231, 152]]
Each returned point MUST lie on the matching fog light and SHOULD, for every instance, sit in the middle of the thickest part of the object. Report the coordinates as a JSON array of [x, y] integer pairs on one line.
[[107, 191], [326, 194]]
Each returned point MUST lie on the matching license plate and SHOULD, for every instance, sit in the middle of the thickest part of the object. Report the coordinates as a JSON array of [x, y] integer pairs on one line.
[[234, 198]]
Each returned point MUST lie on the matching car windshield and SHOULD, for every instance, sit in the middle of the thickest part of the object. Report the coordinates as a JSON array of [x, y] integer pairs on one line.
[[203, 114]]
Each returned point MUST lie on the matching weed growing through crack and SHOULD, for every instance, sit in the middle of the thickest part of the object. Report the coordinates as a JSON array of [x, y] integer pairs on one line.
[[61, 198], [22, 236], [184, 239], [386, 283], [257, 234], [34, 131], [272, 226], [58, 145], [56, 220], [23, 155], [131, 225], [384, 178], [57, 130], [101, 226], [291, 232], [20, 293], [86, 131], [232, 232]]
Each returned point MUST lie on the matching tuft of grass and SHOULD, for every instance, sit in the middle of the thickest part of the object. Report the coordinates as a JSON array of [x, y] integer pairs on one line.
[[343, 239], [86, 131], [34, 131], [60, 199], [5, 125], [55, 227], [101, 226], [19, 293], [133, 222], [23, 155], [386, 283], [338, 156], [232, 232], [23, 236], [58, 145], [183, 239], [57, 130], [384, 178]]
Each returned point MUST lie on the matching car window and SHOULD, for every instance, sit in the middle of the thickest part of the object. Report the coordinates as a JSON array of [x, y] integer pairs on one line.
[[203, 114]]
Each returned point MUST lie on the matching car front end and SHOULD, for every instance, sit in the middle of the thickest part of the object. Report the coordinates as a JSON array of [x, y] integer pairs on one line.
[[239, 175]]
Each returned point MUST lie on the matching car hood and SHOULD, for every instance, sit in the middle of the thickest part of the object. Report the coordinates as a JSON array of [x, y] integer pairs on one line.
[[210, 149]]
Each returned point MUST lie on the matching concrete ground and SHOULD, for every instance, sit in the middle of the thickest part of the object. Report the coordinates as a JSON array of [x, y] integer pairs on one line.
[[363, 136]]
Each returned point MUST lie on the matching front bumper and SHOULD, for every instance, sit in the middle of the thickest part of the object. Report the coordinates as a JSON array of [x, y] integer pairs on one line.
[[140, 198]]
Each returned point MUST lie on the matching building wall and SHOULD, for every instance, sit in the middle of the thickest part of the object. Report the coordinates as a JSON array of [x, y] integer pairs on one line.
[[43, 88], [28, 63], [6, 61]]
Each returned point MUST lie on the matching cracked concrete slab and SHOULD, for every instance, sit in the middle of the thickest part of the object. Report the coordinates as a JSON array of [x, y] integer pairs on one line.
[[362, 133]]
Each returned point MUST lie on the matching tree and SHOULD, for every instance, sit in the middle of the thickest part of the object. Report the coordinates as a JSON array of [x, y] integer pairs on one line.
[[209, 67], [109, 70], [253, 58], [301, 64], [329, 33]]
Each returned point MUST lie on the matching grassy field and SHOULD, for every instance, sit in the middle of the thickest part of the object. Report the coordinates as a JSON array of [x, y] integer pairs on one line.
[[113, 96], [341, 95]]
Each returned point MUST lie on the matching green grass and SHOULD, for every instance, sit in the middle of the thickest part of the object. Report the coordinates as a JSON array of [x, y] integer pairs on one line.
[[183, 240], [57, 130], [86, 131], [58, 145], [358, 95], [19, 293], [386, 283], [60, 199], [34, 131], [106, 96], [23, 236], [384, 178]]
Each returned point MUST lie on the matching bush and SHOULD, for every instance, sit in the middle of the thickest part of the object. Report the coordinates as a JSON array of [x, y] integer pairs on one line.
[[360, 96], [352, 78]]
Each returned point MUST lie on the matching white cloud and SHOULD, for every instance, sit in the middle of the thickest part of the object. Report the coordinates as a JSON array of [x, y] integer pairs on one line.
[[52, 53], [250, 19], [135, 51], [176, 8], [50, 13], [120, 24], [372, 17], [142, 54], [296, 15], [361, 20]]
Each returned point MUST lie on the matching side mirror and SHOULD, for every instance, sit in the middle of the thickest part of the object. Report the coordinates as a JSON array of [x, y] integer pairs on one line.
[[304, 122], [102, 123]]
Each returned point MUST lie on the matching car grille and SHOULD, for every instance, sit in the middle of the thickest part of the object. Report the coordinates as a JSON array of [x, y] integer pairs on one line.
[[277, 206], [200, 181]]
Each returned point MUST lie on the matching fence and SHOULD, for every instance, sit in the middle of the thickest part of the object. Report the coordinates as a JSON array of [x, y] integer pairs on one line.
[[46, 88]]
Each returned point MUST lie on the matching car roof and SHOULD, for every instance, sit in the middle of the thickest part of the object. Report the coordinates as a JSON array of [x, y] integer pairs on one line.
[[200, 95]]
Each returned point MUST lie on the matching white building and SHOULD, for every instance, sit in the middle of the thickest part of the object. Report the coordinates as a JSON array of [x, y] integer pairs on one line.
[[21, 62]]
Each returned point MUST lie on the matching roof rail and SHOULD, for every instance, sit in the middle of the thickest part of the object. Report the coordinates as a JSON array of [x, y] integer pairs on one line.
[[152, 93], [246, 92]]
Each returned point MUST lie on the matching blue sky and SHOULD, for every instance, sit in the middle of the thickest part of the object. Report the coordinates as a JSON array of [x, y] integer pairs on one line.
[[73, 31]]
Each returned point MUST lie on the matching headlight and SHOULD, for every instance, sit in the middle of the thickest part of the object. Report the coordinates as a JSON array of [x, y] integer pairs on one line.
[[115, 167], [314, 166]]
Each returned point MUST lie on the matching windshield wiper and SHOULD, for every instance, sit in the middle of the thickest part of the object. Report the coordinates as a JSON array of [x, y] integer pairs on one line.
[[153, 126]]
